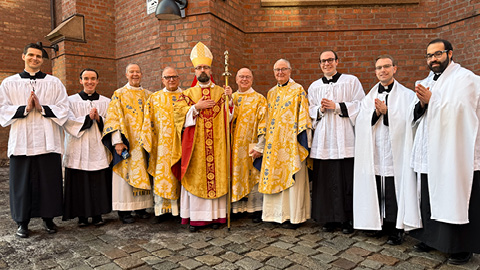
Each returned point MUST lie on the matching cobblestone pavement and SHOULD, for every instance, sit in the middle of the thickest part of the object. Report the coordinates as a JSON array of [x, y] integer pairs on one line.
[[169, 245]]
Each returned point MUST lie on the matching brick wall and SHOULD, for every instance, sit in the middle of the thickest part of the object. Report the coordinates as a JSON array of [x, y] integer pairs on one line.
[[22, 22], [119, 32]]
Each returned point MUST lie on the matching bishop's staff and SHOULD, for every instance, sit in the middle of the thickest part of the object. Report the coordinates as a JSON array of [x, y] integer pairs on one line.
[[227, 74]]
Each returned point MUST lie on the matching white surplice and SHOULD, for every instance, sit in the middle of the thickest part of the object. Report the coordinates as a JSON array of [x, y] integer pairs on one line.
[[381, 150]]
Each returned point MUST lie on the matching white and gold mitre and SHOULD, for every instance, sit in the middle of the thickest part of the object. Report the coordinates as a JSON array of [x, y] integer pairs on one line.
[[201, 55]]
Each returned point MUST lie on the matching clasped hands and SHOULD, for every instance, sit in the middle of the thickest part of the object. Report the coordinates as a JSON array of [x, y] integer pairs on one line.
[[33, 102], [423, 94]]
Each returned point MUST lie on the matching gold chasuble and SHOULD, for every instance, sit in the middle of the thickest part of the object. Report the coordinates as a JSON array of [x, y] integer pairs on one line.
[[248, 124], [125, 114], [157, 139], [201, 149], [287, 118]]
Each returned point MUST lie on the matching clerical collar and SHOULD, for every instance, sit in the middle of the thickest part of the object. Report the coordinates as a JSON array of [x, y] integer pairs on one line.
[[387, 88], [435, 77], [85, 96], [38, 75], [133, 87], [179, 90], [250, 90], [282, 85], [334, 79]]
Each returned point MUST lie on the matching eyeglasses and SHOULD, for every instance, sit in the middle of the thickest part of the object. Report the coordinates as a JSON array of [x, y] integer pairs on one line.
[[384, 66], [202, 67], [329, 60], [281, 69], [437, 54], [248, 77], [170, 77]]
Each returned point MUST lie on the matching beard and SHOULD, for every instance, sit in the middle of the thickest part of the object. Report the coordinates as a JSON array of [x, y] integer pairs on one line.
[[203, 77], [442, 65]]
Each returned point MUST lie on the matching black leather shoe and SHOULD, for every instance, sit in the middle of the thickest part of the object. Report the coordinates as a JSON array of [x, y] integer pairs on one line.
[[98, 221], [347, 227], [142, 213], [82, 222], [459, 258], [22, 231], [395, 239], [49, 226], [215, 226], [127, 219], [422, 247], [192, 228], [289, 225], [330, 226], [257, 217], [375, 234]]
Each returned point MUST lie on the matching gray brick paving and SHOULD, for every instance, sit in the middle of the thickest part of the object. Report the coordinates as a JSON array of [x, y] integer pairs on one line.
[[169, 245]]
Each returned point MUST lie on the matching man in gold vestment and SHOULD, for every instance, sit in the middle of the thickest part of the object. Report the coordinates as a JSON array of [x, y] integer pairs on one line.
[[131, 188], [284, 177], [248, 129], [199, 155], [157, 139]]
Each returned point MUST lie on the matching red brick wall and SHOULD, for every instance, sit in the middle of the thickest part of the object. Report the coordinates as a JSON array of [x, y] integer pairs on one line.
[[119, 32], [22, 22]]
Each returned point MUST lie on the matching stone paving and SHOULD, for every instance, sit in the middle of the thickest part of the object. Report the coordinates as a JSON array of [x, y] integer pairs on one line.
[[169, 245]]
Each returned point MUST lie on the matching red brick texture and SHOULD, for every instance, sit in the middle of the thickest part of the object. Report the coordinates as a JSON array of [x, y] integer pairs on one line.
[[119, 32]]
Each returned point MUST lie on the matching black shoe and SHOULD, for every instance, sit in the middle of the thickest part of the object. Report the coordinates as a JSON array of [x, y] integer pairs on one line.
[[289, 225], [192, 228], [459, 258], [215, 226], [82, 222], [422, 247], [330, 226], [22, 231], [49, 226], [257, 217], [347, 227], [142, 213], [375, 234], [127, 219], [395, 239], [98, 221]]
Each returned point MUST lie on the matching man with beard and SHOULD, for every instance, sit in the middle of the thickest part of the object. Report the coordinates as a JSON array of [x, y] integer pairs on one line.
[[446, 157], [382, 140], [157, 139], [334, 105], [35, 106], [199, 157], [131, 188]]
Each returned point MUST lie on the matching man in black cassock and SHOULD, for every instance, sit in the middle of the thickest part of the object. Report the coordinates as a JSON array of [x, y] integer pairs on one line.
[[35, 106]]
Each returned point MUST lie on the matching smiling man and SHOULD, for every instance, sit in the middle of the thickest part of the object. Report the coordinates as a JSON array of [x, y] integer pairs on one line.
[[334, 105], [131, 188], [248, 128], [284, 177], [446, 156], [88, 179], [157, 139], [382, 140], [35, 106]]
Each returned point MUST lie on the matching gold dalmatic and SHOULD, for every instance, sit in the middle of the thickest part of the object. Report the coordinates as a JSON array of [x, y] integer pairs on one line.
[[201, 149], [248, 125], [157, 139], [287, 118], [125, 114]]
